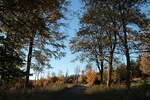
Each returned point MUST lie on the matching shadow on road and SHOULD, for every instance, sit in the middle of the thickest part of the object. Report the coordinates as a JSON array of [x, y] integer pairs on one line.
[[78, 93], [74, 93]]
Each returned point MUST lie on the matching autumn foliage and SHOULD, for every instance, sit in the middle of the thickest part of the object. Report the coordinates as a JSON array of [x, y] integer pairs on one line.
[[91, 77]]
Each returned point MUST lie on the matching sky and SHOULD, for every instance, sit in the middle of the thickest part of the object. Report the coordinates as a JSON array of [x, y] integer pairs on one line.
[[65, 64], [72, 26]]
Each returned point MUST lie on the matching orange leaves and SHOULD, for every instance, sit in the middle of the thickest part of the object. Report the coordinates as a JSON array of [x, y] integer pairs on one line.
[[91, 77], [145, 63], [48, 81]]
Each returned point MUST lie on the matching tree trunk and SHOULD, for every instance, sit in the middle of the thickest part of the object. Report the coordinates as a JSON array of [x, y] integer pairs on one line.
[[29, 60], [102, 67], [110, 70], [111, 57], [127, 54], [128, 78]]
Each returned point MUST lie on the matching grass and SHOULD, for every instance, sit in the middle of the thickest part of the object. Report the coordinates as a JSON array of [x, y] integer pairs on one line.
[[135, 93], [61, 92], [47, 93]]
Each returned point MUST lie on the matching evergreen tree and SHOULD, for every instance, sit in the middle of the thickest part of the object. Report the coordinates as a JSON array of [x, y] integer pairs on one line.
[[10, 61]]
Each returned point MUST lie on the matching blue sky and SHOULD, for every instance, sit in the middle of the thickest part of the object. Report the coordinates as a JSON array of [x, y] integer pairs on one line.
[[72, 26], [66, 64]]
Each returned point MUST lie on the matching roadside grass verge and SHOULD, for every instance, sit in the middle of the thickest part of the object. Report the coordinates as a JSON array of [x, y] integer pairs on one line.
[[135, 93], [46, 93]]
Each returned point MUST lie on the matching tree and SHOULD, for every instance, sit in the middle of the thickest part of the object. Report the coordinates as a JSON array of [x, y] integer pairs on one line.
[[47, 34], [135, 69], [10, 61], [129, 13], [77, 72], [122, 72], [98, 35], [89, 42], [36, 22], [144, 39], [37, 70], [144, 59], [122, 14]]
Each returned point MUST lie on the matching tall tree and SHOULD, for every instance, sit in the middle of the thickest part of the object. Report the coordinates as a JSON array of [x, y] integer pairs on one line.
[[99, 29], [122, 13], [37, 23], [129, 14], [89, 46]]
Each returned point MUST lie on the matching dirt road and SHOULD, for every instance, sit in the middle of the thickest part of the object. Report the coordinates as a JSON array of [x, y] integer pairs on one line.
[[74, 93]]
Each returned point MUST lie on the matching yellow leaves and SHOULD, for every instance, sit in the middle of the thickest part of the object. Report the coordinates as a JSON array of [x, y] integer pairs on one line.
[[91, 77], [48, 81], [145, 63]]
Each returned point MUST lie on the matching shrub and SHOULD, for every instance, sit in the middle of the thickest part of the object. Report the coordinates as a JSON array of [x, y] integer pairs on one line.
[[61, 80], [38, 83], [91, 77], [52, 79], [121, 73], [70, 79], [82, 79]]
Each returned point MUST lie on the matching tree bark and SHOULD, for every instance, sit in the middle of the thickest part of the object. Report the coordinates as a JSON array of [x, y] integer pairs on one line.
[[111, 57], [128, 78], [127, 54], [102, 67], [97, 63], [29, 59], [110, 70]]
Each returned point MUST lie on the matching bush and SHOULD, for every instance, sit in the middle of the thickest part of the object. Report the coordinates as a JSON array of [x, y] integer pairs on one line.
[[92, 77], [61, 80], [82, 79], [52, 79], [121, 73], [70, 79], [39, 83]]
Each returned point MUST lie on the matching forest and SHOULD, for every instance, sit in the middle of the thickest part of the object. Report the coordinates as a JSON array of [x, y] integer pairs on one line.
[[113, 37]]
